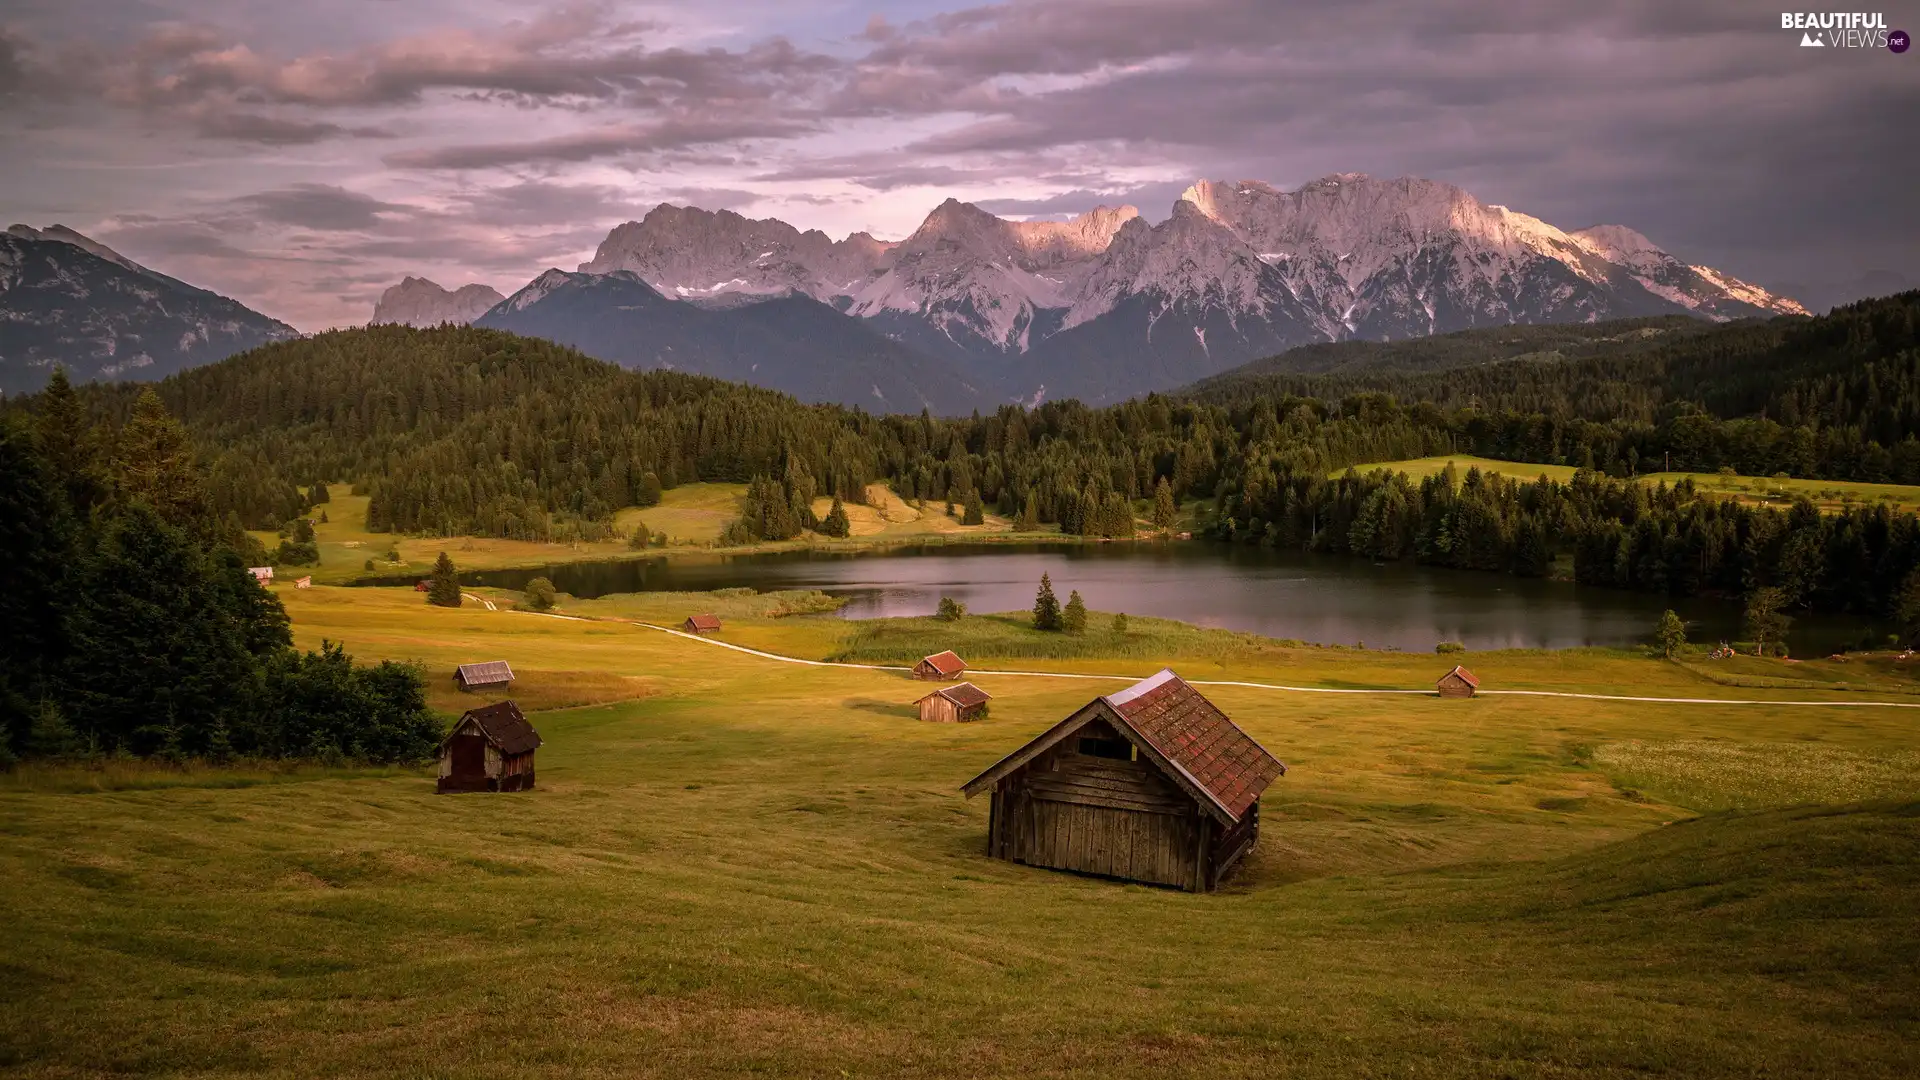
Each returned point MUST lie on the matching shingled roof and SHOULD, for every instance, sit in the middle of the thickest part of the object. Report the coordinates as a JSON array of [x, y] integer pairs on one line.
[[1466, 676], [1178, 729], [946, 663], [1192, 733], [492, 671], [965, 695], [505, 726], [703, 623]]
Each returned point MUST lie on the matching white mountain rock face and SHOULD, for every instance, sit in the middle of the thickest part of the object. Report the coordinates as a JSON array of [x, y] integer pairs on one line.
[[419, 302], [982, 280], [1237, 271], [687, 253]]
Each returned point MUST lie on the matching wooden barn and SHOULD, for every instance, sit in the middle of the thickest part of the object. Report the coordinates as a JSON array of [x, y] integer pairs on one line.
[[492, 675], [940, 667], [490, 749], [701, 624], [955, 704], [1459, 683], [1152, 784], [261, 574]]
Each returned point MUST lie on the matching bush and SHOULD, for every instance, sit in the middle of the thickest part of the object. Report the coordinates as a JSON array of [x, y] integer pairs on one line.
[[369, 566], [296, 554], [1120, 624], [950, 609], [640, 537], [540, 594], [1449, 647]]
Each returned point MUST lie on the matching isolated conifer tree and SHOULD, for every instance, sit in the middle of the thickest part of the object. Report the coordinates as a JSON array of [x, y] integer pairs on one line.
[[975, 513], [1074, 619], [444, 588], [1046, 608], [649, 492]]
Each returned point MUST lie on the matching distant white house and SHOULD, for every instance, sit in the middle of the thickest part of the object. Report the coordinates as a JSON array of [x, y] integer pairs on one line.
[[303, 583], [262, 574]]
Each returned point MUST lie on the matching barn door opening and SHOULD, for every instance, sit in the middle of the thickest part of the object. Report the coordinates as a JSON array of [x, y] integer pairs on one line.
[[469, 757]]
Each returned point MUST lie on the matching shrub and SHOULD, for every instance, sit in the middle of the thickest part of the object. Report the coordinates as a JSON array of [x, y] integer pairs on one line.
[[1120, 624], [950, 609], [540, 594], [640, 537], [1449, 647]]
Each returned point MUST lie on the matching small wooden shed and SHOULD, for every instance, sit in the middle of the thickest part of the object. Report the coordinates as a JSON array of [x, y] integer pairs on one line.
[[490, 749], [1152, 784], [491, 675], [955, 704], [940, 667], [1458, 683], [701, 624], [261, 574]]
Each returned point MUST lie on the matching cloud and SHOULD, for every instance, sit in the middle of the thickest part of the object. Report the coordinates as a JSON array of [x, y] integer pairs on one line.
[[320, 207], [601, 142]]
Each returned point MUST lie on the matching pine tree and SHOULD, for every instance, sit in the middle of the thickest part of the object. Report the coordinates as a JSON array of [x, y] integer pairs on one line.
[[1029, 520], [836, 523], [649, 492], [154, 464], [1120, 624], [976, 513], [639, 537], [1670, 634], [1074, 619], [1164, 512], [443, 589], [1046, 608]]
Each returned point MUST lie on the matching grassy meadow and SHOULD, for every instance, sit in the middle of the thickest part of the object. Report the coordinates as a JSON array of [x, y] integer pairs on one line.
[[1829, 495], [733, 865]]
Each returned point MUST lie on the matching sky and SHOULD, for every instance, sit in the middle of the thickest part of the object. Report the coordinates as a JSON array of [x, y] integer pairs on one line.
[[302, 157]]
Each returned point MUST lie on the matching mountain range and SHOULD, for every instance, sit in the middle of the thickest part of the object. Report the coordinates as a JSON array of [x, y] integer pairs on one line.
[[1107, 306], [66, 299]]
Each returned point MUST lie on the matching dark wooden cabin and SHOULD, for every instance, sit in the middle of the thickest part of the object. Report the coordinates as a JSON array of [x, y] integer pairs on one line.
[[1458, 683], [490, 749], [701, 624], [492, 675], [955, 704], [1152, 784], [940, 667]]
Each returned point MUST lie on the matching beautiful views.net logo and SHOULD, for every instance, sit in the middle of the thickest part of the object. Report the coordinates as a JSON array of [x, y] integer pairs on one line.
[[1844, 30]]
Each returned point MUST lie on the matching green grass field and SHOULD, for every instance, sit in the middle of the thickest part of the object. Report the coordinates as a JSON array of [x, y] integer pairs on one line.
[[1830, 495], [737, 866]]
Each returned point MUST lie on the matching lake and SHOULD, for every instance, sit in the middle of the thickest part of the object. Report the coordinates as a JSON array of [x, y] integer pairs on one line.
[[1316, 598]]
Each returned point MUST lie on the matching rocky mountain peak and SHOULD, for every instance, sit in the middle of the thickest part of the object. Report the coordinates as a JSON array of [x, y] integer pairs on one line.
[[417, 301]]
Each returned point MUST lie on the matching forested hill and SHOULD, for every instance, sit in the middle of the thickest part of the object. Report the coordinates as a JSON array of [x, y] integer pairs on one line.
[[460, 429], [1853, 367]]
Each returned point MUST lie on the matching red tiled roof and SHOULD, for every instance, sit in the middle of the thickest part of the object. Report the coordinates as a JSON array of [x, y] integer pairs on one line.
[[704, 622], [966, 695], [1465, 676], [946, 663], [1190, 731]]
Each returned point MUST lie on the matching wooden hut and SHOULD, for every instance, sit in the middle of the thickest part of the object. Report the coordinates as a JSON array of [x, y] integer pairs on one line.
[[701, 624], [492, 675], [940, 667], [1458, 683], [261, 574], [1152, 784], [490, 749], [955, 704]]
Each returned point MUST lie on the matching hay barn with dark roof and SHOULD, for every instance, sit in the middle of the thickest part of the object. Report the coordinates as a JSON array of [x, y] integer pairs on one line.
[[955, 704], [701, 624], [491, 675], [1151, 784], [490, 749]]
